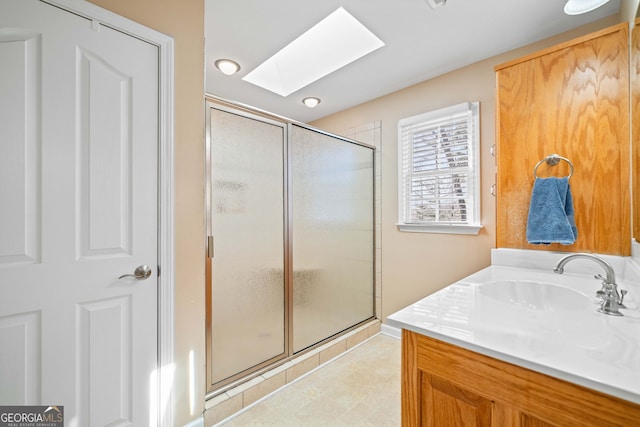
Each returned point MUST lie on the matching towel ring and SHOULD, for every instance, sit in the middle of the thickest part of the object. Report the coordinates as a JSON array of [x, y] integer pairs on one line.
[[552, 160]]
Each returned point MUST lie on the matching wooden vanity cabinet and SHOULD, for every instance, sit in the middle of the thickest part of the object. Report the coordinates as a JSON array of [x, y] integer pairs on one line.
[[445, 385]]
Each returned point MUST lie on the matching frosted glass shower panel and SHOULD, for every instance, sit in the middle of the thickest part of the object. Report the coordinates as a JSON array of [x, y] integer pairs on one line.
[[333, 236], [247, 224]]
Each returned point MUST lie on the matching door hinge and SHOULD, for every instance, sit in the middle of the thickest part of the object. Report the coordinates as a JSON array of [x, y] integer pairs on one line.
[[210, 246]]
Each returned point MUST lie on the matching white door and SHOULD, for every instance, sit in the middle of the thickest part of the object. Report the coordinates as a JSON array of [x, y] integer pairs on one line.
[[78, 209]]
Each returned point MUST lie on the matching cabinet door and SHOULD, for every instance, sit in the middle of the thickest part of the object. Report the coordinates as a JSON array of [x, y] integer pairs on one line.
[[446, 404], [527, 420], [445, 385], [573, 100]]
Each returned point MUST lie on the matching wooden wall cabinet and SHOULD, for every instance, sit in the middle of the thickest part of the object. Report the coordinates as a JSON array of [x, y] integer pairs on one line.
[[445, 385], [635, 126], [573, 100]]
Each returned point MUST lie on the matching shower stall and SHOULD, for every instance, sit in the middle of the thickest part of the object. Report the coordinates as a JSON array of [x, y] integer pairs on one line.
[[290, 246]]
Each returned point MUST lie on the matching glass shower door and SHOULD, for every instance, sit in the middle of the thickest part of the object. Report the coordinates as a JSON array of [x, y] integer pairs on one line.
[[246, 271], [332, 235]]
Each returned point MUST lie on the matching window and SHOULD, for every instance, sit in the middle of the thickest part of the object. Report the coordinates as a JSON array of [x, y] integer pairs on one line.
[[439, 171]]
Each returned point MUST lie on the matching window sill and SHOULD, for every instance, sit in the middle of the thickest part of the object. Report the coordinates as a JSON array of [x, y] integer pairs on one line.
[[440, 228]]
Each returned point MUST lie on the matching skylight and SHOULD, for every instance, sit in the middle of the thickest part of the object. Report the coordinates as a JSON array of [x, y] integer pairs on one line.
[[332, 43]]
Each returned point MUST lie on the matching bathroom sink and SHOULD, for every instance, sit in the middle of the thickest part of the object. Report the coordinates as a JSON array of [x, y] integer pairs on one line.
[[534, 295], [540, 320]]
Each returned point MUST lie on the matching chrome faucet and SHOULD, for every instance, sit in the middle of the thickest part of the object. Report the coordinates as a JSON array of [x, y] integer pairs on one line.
[[611, 299]]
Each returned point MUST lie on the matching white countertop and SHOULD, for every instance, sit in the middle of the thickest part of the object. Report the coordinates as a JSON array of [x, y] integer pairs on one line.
[[558, 333]]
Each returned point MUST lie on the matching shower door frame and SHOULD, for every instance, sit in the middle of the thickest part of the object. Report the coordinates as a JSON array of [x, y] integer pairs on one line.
[[290, 339], [214, 389], [211, 386]]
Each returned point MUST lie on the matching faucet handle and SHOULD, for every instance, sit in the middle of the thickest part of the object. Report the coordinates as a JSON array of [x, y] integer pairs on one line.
[[623, 292], [602, 291]]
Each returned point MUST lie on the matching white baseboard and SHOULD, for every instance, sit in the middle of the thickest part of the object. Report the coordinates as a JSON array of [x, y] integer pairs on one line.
[[391, 331], [198, 422]]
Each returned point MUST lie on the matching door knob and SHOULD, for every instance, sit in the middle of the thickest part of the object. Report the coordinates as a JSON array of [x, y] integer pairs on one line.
[[140, 273]]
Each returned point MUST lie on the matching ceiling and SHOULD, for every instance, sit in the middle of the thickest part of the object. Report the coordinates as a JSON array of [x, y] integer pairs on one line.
[[420, 43]]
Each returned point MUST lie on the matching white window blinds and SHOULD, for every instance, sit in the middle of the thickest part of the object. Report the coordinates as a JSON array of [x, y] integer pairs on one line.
[[439, 170]]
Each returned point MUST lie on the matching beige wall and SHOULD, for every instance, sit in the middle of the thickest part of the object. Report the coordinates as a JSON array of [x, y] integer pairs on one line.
[[184, 21], [415, 265]]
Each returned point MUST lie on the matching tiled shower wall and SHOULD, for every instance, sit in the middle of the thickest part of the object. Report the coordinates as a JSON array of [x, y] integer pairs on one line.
[[371, 133]]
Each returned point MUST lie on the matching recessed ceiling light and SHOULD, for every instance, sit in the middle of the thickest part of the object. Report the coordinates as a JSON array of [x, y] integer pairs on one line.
[[227, 66], [577, 7], [332, 43], [311, 101]]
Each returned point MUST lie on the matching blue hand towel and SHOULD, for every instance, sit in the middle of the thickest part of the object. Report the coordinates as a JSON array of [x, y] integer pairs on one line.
[[551, 216]]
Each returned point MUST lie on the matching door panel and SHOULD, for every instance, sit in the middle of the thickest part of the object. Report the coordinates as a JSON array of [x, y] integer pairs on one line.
[[332, 229], [248, 297], [446, 403], [78, 158], [110, 320], [20, 54], [105, 96], [20, 356]]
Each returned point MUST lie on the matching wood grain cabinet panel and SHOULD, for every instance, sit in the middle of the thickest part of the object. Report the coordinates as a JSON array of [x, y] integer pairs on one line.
[[446, 385], [529, 421], [573, 100], [453, 405], [635, 131]]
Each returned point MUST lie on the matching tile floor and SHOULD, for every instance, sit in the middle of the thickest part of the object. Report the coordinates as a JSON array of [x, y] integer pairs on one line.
[[360, 388]]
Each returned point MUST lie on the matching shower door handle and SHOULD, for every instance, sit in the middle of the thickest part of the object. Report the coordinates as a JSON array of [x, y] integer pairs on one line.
[[141, 273], [210, 252]]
